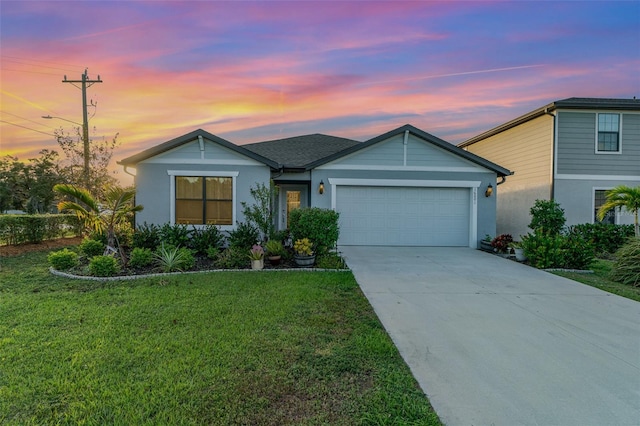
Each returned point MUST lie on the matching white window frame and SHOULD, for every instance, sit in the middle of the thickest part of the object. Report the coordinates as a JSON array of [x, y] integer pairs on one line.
[[619, 151], [202, 173], [616, 219]]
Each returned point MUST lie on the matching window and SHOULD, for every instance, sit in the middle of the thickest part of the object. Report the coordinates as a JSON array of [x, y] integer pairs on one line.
[[608, 133], [599, 199], [204, 200]]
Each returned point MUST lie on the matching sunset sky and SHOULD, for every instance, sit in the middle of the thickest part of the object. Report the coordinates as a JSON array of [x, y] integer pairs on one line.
[[254, 71]]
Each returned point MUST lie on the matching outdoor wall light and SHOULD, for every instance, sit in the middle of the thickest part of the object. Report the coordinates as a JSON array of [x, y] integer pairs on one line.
[[321, 188], [489, 191]]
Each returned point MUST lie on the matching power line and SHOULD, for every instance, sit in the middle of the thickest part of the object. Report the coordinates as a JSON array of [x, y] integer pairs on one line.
[[25, 127], [31, 72], [25, 118], [42, 62], [41, 66]]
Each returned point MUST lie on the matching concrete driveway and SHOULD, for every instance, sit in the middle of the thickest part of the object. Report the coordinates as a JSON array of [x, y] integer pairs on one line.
[[493, 342]]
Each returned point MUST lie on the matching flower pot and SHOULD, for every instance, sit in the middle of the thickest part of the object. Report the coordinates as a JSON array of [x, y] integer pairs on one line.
[[486, 246], [275, 260], [257, 264], [519, 253], [304, 260]]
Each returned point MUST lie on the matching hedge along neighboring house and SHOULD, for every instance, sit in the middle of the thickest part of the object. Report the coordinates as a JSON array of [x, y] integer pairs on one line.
[[572, 151], [403, 188]]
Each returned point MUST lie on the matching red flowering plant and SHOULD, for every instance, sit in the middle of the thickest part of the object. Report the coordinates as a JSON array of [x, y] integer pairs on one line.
[[501, 242]]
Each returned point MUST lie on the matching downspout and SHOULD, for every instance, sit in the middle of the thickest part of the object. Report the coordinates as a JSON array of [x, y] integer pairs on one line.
[[201, 142], [552, 189]]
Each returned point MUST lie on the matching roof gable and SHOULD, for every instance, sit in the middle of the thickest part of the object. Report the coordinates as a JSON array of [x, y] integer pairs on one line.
[[423, 150], [188, 146]]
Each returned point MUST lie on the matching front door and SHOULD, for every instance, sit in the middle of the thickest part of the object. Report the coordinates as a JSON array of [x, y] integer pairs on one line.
[[291, 197]]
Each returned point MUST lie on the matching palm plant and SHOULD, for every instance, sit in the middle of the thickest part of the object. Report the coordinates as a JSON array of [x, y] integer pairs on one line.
[[103, 217], [623, 196]]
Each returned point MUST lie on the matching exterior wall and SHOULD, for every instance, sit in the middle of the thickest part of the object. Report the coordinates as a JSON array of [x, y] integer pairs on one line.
[[575, 196], [576, 148], [527, 151], [153, 187]]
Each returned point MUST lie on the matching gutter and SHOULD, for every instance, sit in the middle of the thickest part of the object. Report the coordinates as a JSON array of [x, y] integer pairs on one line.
[[552, 188]]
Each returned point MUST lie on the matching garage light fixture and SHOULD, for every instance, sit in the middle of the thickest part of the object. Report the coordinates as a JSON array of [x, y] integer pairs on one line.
[[321, 188], [489, 191]]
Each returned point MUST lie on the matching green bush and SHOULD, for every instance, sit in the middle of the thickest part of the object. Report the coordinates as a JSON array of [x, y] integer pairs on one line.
[[330, 261], [232, 258], [244, 236], [578, 252], [626, 268], [25, 228], [605, 237], [171, 259], [103, 266], [146, 236], [91, 248], [140, 257], [204, 238], [175, 235], [63, 260], [318, 225], [547, 217], [543, 250]]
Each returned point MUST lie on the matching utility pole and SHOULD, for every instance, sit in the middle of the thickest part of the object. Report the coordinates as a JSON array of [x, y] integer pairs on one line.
[[85, 82]]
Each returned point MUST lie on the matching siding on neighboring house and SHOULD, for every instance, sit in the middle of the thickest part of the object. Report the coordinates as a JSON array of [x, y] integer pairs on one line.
[[526, 150], [576, 153]]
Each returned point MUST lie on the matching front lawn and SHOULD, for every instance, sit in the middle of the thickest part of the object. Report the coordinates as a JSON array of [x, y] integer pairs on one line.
[[600, 279], [218, 348]]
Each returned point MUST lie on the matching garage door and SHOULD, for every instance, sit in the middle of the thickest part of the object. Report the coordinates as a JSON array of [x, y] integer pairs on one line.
[[400, 216]]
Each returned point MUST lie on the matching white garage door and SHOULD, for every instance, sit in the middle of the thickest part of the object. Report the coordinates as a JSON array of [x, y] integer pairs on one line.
[[400, 216]]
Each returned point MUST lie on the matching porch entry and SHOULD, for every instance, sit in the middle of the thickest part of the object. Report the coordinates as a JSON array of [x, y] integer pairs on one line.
[[291, 197]]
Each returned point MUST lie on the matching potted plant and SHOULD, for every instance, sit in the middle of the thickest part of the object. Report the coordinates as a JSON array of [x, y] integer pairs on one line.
[[256, 254], [501, 244], [303, 252], [485, 244], [275, 250], [517, 251]]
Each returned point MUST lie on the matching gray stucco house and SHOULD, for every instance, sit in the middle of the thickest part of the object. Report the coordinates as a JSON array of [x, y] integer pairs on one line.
[[403, 188], [571, 151]]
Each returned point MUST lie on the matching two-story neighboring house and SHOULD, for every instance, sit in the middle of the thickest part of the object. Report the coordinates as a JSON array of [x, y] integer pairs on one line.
[[571, 151]]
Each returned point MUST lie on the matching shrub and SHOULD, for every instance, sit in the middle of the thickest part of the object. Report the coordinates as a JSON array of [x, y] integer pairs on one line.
[[174, 235], [213, 252], [578, 252], [146, 236], [544, 250], [140, 257], [502, 242], [204, 238], [91, 247], [274, 248], [261, 213], [547, 217], [330, 261], [244, 236], [626, 268], [103, 266], [63, 260], [318, 225], [605, 237], [24, 228], [123, 235], [171, 259], [232, 258]]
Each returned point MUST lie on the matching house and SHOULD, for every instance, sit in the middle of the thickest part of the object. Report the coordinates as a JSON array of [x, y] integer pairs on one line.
[[403, 188], [571, 151]]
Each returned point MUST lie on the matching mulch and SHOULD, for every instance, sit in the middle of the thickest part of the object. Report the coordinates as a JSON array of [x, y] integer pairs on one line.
[[17, 250]]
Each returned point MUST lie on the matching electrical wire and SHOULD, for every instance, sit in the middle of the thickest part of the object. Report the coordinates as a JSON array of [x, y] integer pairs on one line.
[[28, 128]]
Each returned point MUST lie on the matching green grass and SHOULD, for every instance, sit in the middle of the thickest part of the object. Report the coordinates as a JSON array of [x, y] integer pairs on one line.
[[222, 348], [600, 279]]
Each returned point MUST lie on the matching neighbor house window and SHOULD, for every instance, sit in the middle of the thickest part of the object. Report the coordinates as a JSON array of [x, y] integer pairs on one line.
[[608, 133], [204, 200], [599, 199]]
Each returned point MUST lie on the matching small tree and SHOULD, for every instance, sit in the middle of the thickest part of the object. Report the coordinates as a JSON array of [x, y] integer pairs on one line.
[[623, 197], [547, 217], [115, 210], [261, 213]]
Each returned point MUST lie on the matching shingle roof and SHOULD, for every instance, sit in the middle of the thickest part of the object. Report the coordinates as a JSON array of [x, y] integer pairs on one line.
[[299, 151], [569, 103]]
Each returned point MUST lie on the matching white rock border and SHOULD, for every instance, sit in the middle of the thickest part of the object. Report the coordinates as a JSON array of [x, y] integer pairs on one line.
[[168, 274]]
